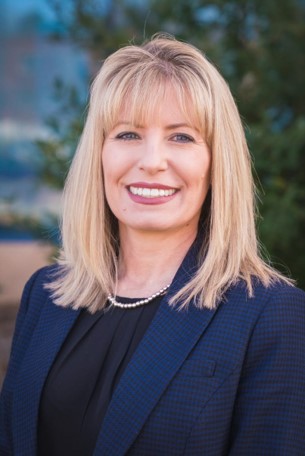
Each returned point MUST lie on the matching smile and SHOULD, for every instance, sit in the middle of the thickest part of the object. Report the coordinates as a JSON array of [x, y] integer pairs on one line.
[[151, 192]]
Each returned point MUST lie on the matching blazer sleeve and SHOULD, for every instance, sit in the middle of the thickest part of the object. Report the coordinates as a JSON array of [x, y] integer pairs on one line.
[[269, 413], [17, 348]]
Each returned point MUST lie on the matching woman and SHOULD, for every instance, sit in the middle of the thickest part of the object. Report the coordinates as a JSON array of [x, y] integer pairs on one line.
[[160, 331]]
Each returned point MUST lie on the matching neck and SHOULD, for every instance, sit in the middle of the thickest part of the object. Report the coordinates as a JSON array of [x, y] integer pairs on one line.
[[149, 261]]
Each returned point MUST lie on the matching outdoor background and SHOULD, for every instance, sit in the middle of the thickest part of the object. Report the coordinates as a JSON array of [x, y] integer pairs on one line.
[[51, 49]]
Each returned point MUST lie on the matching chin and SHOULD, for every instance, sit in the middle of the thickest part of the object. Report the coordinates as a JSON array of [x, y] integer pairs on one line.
[[147, 225]]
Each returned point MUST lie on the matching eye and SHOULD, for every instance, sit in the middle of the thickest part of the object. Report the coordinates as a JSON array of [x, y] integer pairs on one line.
[[127, 136], [182, 138]]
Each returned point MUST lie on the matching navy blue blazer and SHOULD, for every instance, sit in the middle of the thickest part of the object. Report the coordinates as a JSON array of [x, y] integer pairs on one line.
[[219, 382]]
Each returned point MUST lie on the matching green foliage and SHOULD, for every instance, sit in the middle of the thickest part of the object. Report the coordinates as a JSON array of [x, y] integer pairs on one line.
[[65, 127], [259, 48]]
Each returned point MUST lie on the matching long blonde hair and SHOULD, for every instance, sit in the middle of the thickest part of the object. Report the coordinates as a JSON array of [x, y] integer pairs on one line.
[[137, 75]]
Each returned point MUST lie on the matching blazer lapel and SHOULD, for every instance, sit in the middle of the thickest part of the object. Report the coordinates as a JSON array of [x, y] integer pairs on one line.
[[168, 341], [53, 326]]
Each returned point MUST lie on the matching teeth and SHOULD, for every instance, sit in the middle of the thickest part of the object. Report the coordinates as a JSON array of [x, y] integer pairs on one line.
[[151, 192]]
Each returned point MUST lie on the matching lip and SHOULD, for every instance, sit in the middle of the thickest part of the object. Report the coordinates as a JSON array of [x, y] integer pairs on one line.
[[151, 200], [151, 185]]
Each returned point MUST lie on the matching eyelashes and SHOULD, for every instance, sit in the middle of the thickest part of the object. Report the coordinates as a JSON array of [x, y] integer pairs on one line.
[[127, 136], [181, 137], [177, 137]]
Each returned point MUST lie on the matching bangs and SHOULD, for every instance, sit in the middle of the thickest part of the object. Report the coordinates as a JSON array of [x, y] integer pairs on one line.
[[137, 98]]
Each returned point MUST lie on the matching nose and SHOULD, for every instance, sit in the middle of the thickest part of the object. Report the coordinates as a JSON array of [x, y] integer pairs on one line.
[[153, 156]]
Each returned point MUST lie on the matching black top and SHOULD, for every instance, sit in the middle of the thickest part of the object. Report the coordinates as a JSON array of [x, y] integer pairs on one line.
[[84, 376]]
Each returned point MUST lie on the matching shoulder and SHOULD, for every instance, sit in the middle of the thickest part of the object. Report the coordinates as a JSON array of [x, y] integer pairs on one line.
[[271, 311], [268, 329], [43, 276], [271, 381], [282, 302], [277, 321], [34, 297], [283, 311], [277, 295], [36, 285]]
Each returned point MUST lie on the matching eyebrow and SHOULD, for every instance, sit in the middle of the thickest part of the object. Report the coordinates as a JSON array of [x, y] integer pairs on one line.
[[178, 125], [168, 127]]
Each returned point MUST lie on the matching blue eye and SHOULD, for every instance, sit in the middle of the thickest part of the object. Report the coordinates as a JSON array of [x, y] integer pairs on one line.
[[127, 136], [180, 137]]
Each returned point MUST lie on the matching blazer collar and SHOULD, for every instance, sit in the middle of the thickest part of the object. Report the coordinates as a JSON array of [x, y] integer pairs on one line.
[[166, 344]]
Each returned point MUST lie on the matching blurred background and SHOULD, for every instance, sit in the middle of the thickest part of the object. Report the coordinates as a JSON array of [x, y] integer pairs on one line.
[[50, 51]]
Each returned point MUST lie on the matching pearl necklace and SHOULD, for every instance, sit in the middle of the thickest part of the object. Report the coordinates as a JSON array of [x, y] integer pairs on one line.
[[141, 302]]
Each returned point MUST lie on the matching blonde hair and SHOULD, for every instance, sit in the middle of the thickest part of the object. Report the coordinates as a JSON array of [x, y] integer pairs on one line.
[[137, 75]]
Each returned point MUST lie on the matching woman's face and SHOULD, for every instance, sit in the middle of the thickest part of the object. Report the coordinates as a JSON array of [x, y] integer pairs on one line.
[[156, 175]]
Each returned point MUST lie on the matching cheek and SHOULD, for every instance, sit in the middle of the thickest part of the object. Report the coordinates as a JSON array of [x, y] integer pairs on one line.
[[107, 164], [110, 169], [202, 178], [109, 185], [205, 179], [198, 168], [206, 174], [115, 167]]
